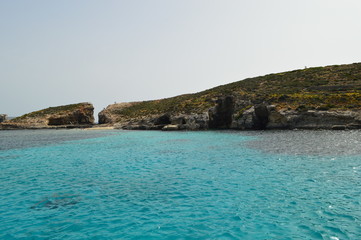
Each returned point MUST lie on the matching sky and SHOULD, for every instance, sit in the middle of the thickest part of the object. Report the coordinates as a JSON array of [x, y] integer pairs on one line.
[[61, 52]]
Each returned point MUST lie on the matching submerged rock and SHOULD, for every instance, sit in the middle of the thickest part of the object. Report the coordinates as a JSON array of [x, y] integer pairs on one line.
[[57, 201]]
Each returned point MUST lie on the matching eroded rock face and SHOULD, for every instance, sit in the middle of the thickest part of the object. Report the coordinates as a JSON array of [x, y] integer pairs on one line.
[[109, 114], [256, 117], [314, 119], [268, 117], [195, 121], [79, 117], [168, 122], [232, 113], [104, 117]]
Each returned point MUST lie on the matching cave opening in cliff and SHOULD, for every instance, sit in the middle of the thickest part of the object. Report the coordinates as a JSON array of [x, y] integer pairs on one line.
[[261, 117], [221, 116], [163, 120]]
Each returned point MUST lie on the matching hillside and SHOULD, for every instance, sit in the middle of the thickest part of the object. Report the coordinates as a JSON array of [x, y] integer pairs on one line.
[[328, 90]]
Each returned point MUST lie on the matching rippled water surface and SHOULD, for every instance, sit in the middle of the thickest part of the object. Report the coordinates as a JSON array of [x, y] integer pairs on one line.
[[74, 184]]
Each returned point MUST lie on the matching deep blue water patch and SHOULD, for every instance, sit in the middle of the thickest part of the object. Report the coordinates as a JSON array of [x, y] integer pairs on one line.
[[181, 185]]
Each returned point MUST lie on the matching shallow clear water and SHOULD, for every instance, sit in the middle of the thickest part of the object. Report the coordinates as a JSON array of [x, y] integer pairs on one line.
[[180, 185]]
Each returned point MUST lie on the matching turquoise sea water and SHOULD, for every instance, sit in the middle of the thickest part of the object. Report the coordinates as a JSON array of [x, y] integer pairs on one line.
[[76, 184]]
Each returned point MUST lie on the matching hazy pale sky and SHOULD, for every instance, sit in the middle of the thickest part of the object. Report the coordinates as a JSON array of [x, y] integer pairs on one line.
[[62, 52]]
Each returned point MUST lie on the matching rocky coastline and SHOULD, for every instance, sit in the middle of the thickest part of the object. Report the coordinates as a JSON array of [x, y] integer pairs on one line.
[[257, 117], [312, 98]]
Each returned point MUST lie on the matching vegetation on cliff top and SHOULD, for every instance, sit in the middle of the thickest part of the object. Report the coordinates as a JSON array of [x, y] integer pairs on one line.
[[331, 87], [50, 111]]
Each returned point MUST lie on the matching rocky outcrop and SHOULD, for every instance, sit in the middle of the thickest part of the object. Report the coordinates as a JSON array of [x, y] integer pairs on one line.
[[68, 116], [109, 114], [315, 119], [2, 117]]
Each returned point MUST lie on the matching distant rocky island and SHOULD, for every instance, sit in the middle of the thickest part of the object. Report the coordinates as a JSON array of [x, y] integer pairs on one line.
[[311, 98], [79, 115]]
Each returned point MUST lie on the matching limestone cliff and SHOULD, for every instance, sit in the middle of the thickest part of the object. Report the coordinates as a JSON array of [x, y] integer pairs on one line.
[[67, 116], [312, 98]]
